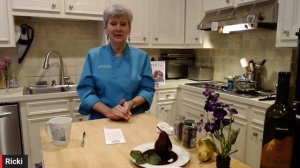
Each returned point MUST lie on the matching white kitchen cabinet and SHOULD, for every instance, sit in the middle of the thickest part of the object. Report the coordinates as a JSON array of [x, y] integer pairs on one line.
[[244, 2], [139, 35], [240, 122], [76, 116], [52, 6], [34, 116], [255, 136], [164, 105], [73, 9], [166, 111], [6, 26], [167, 22], [288, 23], [250, 121], [193, 16], [211, 5], [90, 7]]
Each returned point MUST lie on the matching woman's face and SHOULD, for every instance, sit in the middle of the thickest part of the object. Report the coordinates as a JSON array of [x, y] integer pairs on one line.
[[118, 29]]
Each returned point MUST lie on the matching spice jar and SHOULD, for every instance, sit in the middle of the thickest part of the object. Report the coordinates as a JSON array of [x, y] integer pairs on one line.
[[178, 126], [189, 134]]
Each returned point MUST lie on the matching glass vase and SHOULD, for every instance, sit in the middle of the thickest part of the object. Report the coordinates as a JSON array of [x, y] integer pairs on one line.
[[223, 162]]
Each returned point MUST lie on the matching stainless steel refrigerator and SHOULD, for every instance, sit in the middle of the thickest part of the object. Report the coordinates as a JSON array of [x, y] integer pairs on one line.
[[10, 130]]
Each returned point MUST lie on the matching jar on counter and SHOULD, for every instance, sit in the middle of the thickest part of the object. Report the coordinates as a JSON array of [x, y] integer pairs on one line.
[[178, 127], [189, 134]]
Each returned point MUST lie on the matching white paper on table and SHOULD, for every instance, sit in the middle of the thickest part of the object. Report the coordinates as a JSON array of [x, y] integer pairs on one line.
[[113, 136]]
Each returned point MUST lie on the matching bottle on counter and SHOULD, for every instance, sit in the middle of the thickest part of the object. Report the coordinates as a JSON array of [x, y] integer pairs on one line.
[[279, 123], [189, 134], [178, 127]]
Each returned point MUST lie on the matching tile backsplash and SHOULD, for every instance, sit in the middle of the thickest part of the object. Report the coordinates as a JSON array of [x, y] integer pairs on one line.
[[71, 38], [74, 38], [224, 52]]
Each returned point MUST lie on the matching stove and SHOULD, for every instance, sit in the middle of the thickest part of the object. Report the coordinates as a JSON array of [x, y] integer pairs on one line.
[[222, 87]]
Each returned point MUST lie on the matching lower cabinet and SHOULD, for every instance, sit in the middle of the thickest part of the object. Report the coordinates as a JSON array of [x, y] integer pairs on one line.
[[164, 105], [166, 111], [35, 114], [75, 102], [255, 136], [249, 120]]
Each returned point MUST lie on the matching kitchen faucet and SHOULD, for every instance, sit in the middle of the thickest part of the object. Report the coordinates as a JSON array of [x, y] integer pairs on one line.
[[62, 76]]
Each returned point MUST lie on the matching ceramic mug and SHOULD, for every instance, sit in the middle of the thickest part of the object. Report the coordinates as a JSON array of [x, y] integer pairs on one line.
[[59, 129]]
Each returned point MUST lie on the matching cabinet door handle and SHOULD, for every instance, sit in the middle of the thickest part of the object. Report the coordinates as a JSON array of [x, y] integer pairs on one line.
[[228, 1], [156, 39], [255, 134], [196, 38], [286, 32], [144, 39], [70, 7], [201, 115], [162, 108], [53, 6]]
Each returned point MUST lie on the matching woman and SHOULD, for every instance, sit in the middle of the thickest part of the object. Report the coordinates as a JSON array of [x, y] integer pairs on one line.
[[116, 78]]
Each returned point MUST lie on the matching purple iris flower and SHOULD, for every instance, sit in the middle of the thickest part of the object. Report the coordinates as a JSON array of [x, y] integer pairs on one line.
[[232, 110], [209, 127], [219, 113]]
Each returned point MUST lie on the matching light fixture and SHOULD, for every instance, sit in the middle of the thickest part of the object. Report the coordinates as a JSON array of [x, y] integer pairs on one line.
[[238, 27]]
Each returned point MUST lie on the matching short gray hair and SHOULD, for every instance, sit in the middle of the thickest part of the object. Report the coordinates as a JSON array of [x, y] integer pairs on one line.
[[117, 10]]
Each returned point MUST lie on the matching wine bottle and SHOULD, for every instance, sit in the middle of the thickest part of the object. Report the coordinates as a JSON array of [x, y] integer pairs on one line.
[[277, 145]]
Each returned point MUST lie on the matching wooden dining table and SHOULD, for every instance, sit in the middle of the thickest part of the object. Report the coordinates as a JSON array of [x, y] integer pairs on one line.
[[95, 153]]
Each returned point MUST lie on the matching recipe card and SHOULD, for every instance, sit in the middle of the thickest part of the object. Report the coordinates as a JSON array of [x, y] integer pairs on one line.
[[113, 136]]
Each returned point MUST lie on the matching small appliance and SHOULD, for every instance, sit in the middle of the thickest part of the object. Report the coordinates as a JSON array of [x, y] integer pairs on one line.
[[200, 73], [177, 65]]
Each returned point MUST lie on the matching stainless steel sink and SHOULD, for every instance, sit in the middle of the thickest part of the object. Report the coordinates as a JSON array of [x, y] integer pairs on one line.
[[49, 89]]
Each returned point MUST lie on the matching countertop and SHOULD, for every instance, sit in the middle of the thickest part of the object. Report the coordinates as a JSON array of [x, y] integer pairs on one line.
[[250, 101], [96, 153], [16, 94]]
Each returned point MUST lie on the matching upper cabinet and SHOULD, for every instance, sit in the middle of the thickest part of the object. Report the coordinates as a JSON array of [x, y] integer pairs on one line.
[[51, 6], [209, 5], [6, 26], [288, 23], [75, 9], [193, 16], [90, 7], [242, 2], [167, 21], [140, 25]]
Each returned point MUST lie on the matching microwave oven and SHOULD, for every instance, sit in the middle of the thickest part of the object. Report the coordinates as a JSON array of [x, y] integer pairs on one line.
[[177, 65]]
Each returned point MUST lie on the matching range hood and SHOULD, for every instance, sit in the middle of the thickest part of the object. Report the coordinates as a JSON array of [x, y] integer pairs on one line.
[[252, 16]]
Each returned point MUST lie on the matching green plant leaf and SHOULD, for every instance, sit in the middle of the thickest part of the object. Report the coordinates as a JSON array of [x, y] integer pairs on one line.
[[212, 144]]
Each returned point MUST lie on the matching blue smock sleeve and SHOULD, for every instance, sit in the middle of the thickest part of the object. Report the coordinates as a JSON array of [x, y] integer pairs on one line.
[[146, 87], [86, 88]]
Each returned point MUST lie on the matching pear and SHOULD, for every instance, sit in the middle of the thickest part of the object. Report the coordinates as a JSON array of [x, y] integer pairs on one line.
[[163, 145]]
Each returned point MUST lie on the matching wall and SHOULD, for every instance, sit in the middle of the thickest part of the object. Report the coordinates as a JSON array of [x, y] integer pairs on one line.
[[225, 51], [74, 38], [71, 38]]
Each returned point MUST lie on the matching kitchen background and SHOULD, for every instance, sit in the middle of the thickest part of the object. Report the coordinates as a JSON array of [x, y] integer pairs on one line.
[[74, 38]]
